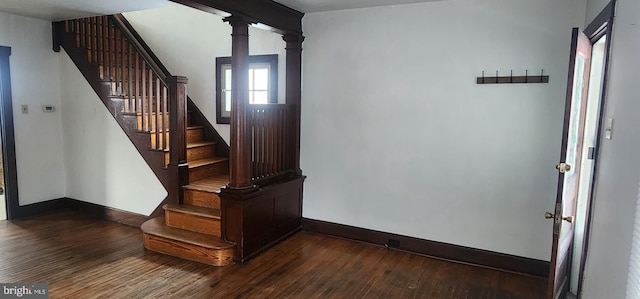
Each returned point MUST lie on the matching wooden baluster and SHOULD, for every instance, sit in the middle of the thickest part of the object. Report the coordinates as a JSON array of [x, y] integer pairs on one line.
[[113, 55], [274, 140], [251, 130], [94, 46], [150, 96], [267, 143], [107, 35], [130, 79], [143, 106], [136, 82], [105, 46], [66, 26], [159, 116], [123, 63], [87, 37], [261, 144], [88, 40], [100, 46], [118, 60], [82, 36], [165, 108], [282, 127], [76, 30]]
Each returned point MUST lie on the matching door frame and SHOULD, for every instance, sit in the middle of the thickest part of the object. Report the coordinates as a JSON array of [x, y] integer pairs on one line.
[[601, 26], [8, 137]]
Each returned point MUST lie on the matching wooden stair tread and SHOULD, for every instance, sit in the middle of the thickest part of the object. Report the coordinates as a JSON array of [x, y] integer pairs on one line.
[[207, 161], [167, 130], [194, 210], [210, 184], [157, 227], [195, 144]]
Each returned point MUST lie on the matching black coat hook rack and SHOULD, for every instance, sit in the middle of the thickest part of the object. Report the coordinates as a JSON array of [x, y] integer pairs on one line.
[[542, 78]]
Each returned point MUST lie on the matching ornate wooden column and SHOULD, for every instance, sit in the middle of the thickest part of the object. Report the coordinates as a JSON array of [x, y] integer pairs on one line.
[[294, 88], [240, 155]]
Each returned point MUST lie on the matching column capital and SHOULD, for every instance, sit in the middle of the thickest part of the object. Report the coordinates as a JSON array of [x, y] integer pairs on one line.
[[293, 40], [238, 20]]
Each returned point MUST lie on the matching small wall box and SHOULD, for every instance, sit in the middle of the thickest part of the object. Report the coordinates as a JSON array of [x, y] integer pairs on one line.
[[48, 108]]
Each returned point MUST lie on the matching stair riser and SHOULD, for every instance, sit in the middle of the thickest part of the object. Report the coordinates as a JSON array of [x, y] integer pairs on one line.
[[193, 223], [193, 135], [201, 199], [221, 257], [196, 153], [202, 172]]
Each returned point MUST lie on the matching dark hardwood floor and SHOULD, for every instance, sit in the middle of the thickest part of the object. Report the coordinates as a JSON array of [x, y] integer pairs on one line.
[[81, 257]]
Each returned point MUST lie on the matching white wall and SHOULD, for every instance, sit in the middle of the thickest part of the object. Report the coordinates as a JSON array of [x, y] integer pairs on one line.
[[397, 137], [102, 165], [189, 45], [619, 173], [34, 82]]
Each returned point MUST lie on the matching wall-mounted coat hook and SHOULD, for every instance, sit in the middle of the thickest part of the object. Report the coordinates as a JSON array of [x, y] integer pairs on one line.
[[513, 79]]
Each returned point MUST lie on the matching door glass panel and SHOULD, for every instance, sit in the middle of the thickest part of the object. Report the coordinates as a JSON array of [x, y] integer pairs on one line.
[[576, 106]]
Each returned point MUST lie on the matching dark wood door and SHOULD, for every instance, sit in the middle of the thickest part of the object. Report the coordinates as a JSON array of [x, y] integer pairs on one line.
[[569, 165]]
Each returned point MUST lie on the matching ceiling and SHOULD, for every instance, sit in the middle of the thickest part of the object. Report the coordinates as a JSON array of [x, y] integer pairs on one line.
[[56, 10], [326, 5]]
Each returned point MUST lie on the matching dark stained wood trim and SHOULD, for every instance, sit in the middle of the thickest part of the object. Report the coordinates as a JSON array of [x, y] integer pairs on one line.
[[271, 59], [14, 210], [55, 33], [26, 211], [106, 213], [450, 252], [91, 209], [598, 25], [280, 18], [605, 25], [240, 156]]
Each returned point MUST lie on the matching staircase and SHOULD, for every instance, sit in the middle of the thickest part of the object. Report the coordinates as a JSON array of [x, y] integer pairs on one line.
[[151, 107]]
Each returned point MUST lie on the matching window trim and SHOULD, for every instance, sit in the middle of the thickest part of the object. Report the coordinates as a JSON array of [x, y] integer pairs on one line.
[[271, 59]]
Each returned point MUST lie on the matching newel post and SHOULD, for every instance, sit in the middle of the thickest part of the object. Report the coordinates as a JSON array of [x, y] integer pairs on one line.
[[178, 170], [294, 89], [240, 155]]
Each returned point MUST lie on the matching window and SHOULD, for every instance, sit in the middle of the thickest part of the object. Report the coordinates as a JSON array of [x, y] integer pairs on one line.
[[263, 83]]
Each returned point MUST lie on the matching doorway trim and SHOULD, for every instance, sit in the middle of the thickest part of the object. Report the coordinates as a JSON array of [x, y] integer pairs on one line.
[[8, 136], [601, 26]]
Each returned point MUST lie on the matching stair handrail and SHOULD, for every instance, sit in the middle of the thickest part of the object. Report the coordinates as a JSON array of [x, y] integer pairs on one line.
[[141, 47]]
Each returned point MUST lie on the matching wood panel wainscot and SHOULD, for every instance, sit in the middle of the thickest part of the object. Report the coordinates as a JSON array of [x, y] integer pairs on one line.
[[258, 220]]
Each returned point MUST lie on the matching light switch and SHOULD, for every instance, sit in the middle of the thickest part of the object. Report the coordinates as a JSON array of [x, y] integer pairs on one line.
[[25, 109]]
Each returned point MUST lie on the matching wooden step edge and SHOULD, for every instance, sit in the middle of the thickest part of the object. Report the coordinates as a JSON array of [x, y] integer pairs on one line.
[[213, 190], [166, 131], [193, 210], [152, 113], [157, 227], [196, 144], [205, 162]]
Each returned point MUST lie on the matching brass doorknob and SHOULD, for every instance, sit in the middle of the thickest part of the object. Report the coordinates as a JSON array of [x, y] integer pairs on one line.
[[551, 216]]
